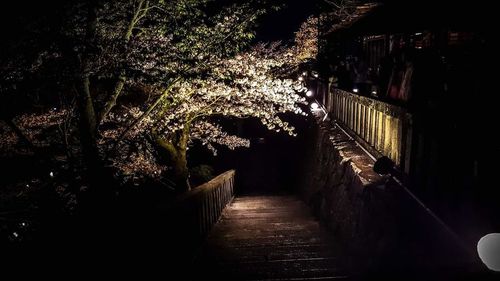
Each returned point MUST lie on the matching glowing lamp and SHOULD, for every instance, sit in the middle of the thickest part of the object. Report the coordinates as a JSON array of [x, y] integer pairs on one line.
[[309, 93], [488, 249], [355, 90], [314, 106]]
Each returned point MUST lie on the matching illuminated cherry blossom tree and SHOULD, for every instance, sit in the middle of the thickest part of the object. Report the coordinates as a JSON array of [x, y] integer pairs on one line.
[[183, 68], [250, 84], [106, 49]]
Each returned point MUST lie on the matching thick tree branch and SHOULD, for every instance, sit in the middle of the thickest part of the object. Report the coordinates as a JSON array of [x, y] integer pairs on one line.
[[149, 110], [121, 79]]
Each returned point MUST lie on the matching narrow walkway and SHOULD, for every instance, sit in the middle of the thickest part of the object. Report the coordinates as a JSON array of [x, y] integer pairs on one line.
[[268, 238]]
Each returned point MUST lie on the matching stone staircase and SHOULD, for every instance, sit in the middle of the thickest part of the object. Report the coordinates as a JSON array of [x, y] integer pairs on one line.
[[268, 238]]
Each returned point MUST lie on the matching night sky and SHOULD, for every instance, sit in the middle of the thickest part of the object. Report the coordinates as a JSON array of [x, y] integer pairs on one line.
[[282, 24], [276, 25]]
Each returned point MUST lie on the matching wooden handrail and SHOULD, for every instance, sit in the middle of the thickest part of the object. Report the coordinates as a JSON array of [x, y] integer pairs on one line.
[[206, 187], [196, 211]]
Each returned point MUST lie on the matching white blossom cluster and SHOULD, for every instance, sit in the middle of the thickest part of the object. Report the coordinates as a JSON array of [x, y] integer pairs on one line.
[[123, 118], [240, 87], [37, 125], [139, 164], [306, 40], [8, 139], [208, 134]]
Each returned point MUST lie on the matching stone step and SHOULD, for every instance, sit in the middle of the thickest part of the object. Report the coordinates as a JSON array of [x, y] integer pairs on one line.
[[268, 238], [264, 253]]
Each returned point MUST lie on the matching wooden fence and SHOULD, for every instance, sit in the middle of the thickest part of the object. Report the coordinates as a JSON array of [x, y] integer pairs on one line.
[[382, 127]]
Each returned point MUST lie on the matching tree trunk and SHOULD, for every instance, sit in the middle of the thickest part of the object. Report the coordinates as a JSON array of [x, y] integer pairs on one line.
[[97, 200], [87, 125], [100, 182], [87, 117], [181, 168], [176, 152], [181, 171]]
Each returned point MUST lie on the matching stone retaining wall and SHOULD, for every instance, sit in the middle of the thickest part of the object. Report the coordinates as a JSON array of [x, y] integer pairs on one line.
[[377, 225]]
